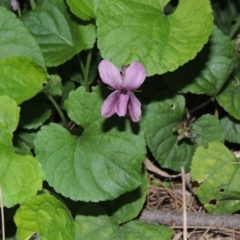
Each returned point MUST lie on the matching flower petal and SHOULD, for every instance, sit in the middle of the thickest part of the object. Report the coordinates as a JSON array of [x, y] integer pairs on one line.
[[122, 104], [109, 106], [110, 74], [134, 108], [135, 74]]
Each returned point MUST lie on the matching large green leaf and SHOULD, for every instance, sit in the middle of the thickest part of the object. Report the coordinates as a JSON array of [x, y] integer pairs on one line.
[[84, 9], [100, 164], [206, 73], [57, 33], [15, 39], [91, 219], [231, 128], [45, 216], [20, 175], [229, 98], [21, 78], [161, 116], [217, 171], [130, 30]]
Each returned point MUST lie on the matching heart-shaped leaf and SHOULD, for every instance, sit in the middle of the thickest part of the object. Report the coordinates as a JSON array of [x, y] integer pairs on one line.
[[161, 116], [90, 167], [130, 30]]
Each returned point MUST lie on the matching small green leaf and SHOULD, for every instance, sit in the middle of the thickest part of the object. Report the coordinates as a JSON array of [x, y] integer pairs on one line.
[[40, 112], [91, 219], [161, 116], [46, 216], [56, 32], [54, 86], [206, 73], [160, 42], [21, 78], [20, 175], [90, 167], [84, 9], [128, 205], [217, 171], [15, 39], [229, 98], [207, 128], [26, 137], [231, 128], [142, 231]]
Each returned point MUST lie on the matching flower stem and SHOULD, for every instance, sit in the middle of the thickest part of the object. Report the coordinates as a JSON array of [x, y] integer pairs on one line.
[[234, 29], [200, 106], [59, 110], [33, 4], [85, 69]]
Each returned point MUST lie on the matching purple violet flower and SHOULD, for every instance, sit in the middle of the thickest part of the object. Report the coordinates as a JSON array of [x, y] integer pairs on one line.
[[14, 4], [129, 79]]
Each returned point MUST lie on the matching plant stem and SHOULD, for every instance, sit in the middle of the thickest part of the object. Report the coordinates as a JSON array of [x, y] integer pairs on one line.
[[59, 110], [200, 106], [234, 29], [33, 4], [85, 69]]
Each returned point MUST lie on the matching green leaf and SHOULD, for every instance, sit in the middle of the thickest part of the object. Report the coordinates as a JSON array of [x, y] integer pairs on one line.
[[207, 128], [26, 137], [84, 9], [90, 167], [6, 4], [15, 39], [92, 219], [231, 128], [56, 32], [20, 175], [46, 216], [161, 116], [214, 169], [141, 231], [128, 205], [54, 86], [66, 89], [161, 43], [40, 112], [21, 78], [229, 98], [206, 73]]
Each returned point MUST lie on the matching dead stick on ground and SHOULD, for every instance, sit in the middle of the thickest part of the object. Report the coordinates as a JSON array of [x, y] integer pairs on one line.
[[184, 205], [174, 218]]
